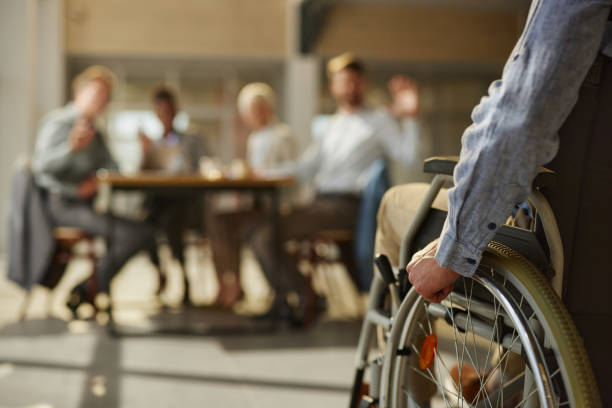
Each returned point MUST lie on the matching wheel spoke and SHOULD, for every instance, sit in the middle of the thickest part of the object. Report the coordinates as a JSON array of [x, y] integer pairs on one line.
[[459, 367], [524, 400], [505, 355], [483, 385], [499, 376], [439, 374], [433, 380]]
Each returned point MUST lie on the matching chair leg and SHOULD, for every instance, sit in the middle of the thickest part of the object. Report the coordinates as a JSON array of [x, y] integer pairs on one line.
[[50, 300], [25, 306], [92, 282], [348, 259]]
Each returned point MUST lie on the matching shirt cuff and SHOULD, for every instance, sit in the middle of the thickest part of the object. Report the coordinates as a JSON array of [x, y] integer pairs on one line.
[[455, 255]]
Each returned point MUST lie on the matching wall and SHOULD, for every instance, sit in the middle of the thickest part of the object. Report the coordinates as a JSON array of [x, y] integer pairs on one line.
[[409, 32], [17, 20], [203, 28], [31, 81]]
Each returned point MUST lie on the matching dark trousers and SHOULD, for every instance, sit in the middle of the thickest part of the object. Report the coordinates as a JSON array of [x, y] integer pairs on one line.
[[124, 237], [227, 232], [582, 201], [325, 213], [172, 216]]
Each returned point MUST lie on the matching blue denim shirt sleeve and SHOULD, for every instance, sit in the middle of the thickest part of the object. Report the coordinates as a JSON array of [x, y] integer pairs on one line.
[[514, 129]]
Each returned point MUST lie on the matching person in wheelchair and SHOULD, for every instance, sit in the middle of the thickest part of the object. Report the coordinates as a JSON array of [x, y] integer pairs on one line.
[[552, 105]]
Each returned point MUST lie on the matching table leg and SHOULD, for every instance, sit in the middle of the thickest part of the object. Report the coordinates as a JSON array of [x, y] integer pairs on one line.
[[280, 286], [109, 248]]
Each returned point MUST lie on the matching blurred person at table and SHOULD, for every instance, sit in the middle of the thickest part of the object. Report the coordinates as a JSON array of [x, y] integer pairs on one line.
[[338, 163], [69, 151], [269, 144], [175, 152]]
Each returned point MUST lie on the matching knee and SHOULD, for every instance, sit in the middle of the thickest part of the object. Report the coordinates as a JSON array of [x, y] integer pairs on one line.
[[386, 206]]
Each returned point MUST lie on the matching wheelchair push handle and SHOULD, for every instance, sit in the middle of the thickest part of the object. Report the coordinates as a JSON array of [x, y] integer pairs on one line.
[[385, 269]]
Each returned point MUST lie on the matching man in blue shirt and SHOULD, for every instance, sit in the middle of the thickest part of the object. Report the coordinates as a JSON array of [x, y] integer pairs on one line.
[[516, 130]]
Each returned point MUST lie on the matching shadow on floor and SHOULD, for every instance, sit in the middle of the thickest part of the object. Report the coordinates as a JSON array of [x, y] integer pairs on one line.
[[238, 332], [33, 328]]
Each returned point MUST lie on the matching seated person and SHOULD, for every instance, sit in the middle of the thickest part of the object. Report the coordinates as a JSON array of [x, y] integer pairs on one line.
[[68, 152], [269, 144], [338, 162], [174, 152]]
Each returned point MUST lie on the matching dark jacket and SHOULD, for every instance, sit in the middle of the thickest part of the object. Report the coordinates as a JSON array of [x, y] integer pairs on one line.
[[31, 242]]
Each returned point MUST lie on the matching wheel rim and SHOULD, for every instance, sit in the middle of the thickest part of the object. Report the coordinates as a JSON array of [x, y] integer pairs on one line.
[[523, 319]]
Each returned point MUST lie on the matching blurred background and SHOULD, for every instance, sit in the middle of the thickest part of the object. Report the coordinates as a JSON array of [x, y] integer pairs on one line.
[[206, 51]]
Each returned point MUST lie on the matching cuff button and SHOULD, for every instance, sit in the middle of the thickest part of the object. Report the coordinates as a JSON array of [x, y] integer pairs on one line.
[[471, 261], [492, 226]]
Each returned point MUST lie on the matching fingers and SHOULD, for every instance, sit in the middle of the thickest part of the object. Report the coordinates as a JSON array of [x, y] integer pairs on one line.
[[429, 279], [82, 134], [399, 82]]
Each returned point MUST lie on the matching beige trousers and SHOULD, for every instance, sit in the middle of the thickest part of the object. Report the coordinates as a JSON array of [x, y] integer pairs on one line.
[[396, 211]]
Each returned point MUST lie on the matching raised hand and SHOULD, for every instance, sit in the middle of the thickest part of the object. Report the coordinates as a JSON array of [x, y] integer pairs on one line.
[[405, 95], [88, 188], [82, 134]]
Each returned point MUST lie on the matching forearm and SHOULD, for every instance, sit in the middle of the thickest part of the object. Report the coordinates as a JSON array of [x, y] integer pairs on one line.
[[408, 148], [514, 129], [304, 168], [399, 137]]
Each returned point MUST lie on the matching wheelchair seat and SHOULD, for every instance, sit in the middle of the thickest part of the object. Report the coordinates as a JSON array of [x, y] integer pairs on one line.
[[446, 165]]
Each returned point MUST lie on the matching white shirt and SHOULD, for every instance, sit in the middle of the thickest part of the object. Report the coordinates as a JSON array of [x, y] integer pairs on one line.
[[340, 158], [270, 146]]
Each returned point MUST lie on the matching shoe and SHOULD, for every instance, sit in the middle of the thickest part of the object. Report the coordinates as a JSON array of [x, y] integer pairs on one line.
[[280, 313], [78, 296], [163, 280], [306, 312], [227, 300]]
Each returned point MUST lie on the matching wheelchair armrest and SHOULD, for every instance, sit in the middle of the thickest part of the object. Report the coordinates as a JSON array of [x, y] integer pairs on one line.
[[446, 165], [440, 165], [545, 178]]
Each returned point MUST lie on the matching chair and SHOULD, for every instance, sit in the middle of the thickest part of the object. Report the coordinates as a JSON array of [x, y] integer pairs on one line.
[[39, 251], [356, 248], [67, 241]]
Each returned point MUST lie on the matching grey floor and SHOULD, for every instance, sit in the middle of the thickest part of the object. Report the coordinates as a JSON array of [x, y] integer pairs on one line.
[[48, 361]]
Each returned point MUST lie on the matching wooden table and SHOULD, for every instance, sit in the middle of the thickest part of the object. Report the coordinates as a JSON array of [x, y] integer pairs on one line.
[[141, 181], [188, 184]]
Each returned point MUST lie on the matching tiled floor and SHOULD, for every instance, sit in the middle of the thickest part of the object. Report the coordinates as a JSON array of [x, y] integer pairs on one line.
[[46, 362]]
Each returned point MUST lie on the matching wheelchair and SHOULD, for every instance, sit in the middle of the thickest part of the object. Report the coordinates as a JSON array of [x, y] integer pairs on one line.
[[502, 338]]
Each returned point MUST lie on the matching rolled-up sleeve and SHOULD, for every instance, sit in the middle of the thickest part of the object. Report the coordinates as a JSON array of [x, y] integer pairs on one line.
[[514, 129]]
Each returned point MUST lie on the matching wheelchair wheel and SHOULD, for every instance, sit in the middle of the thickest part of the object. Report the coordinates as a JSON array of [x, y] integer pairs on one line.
[[501, 339]]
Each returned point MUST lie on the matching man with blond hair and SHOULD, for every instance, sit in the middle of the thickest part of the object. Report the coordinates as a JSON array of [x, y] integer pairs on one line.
[[69, 151], [270, 144]]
